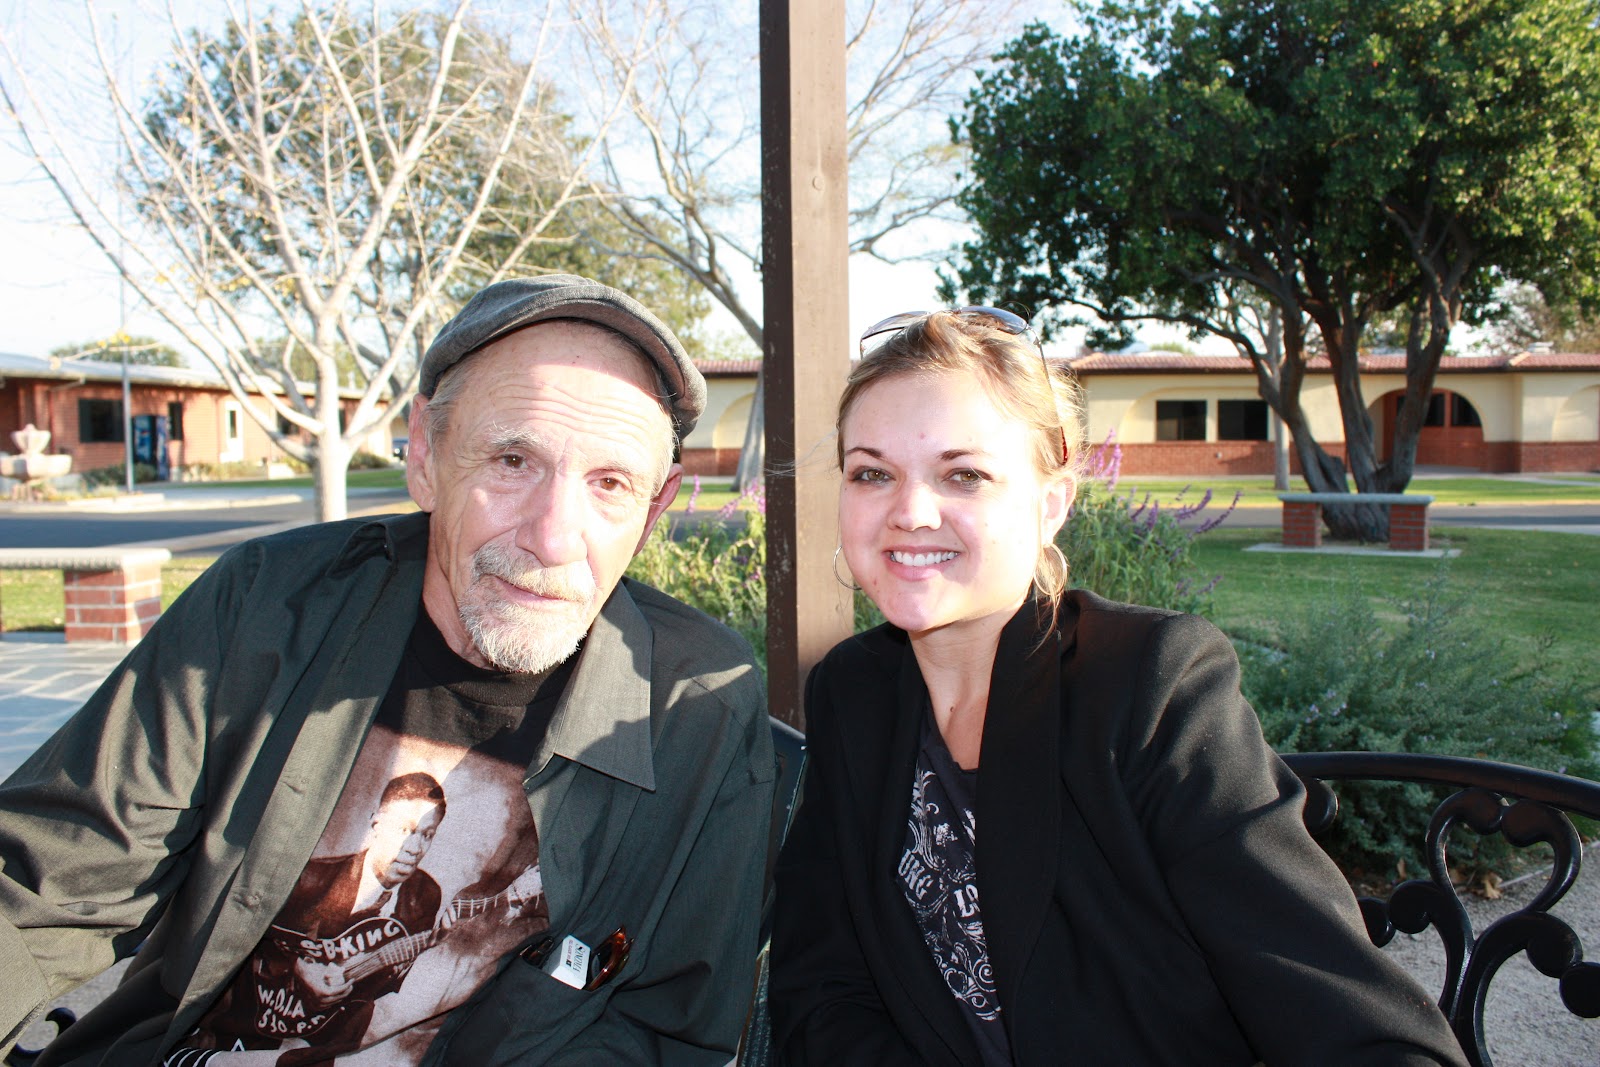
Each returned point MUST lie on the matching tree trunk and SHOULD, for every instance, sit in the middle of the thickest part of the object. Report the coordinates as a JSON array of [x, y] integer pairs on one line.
[[1355, 521], [330, 475], [1280, 432], [753, 454], [333, 453], [1280, 454]]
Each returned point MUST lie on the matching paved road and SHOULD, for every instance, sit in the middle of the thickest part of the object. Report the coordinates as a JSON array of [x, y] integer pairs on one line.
[[196, 522]]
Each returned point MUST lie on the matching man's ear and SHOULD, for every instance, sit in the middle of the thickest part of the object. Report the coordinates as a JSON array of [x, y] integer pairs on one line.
[[419, 456], [663, 500]]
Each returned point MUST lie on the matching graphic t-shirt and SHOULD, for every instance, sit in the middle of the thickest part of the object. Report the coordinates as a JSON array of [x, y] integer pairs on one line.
[[425, 877], [939, 877]]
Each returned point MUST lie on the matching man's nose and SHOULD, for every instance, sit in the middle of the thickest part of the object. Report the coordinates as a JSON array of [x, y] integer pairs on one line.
[[916, 507], [552, 528]]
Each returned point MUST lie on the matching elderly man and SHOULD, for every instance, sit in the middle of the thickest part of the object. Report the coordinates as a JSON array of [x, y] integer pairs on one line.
[[603, 749]]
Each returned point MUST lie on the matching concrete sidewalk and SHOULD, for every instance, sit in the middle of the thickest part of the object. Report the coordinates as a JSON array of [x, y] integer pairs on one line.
[[43, 680]]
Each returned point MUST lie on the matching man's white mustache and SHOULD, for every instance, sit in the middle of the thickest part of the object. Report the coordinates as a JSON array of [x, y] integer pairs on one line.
[[573, 583]]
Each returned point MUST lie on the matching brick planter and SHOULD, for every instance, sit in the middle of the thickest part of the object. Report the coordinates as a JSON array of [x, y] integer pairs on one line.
[[1408, 517], [111, 595]]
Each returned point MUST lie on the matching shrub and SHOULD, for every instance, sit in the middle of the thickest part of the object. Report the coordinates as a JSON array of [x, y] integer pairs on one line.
[[1138, 552], [1438, 680], [220, 472], [111, 477], [716, 562], [368, 461]]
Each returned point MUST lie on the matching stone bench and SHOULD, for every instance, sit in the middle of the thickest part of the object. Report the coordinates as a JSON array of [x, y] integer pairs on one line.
[[111, 594], [1408, 517]]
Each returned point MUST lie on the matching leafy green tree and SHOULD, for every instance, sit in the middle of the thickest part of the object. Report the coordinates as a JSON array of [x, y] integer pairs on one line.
[[143, 351], [1342, 159]]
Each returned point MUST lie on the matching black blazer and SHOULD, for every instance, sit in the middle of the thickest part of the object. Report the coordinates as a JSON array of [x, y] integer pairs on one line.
[[1149, 892]]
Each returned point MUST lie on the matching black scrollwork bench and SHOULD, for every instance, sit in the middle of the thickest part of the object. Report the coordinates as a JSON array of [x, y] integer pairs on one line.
[[1525, 806]]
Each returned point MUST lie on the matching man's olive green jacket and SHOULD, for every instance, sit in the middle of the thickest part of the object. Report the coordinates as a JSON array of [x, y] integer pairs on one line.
[[170, 817]]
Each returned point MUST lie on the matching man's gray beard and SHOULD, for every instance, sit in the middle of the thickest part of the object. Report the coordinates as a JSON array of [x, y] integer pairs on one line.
[[515, 638]]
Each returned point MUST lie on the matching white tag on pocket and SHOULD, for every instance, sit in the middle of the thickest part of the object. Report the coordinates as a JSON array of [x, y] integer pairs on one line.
[[569, 963]]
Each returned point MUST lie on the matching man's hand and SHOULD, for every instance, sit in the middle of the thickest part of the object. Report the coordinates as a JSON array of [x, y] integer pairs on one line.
[[325, 984]]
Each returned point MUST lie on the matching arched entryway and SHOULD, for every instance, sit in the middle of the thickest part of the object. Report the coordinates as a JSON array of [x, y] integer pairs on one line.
[[1452, 430]]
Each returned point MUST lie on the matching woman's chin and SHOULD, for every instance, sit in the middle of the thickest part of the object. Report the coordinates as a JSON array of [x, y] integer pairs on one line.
[[911, 615]]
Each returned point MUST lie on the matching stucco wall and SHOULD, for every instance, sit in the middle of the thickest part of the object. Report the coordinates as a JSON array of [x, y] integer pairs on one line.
[[1543, 420]]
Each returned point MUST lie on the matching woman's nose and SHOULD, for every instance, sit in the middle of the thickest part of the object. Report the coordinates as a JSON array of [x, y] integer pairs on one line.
[[916, 507]]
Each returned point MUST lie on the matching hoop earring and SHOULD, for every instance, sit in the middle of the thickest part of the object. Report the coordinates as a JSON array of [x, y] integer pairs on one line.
[[848, 585]]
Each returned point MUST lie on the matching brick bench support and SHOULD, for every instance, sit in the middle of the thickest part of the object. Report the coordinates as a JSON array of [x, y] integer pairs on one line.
[[111, 594], [1408, 517]]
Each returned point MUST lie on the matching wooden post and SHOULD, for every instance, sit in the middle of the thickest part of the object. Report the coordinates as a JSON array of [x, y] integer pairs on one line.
[[805, 252]]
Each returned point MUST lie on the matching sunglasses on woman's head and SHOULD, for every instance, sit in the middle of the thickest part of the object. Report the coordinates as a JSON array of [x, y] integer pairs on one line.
[[1008, 321]]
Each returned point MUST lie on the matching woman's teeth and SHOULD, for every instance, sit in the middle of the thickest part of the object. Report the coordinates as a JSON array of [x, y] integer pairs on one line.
[[921, 559]]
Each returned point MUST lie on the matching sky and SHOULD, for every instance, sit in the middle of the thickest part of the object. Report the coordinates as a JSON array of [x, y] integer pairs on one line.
[[56, 286]]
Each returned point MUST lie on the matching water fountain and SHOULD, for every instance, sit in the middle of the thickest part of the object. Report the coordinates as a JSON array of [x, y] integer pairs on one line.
[[32, 466]]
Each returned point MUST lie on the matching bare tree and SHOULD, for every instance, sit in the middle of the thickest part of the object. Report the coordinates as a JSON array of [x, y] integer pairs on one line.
[[335, 183], [682, 170]]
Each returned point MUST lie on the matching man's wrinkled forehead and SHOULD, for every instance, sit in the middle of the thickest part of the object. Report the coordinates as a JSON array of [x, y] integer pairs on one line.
[[592, 345]]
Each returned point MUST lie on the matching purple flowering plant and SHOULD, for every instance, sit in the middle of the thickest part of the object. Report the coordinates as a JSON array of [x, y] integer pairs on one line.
[[1129, 546]]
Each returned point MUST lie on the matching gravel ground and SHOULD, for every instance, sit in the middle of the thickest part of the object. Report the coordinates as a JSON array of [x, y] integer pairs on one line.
[[1527, 1024]]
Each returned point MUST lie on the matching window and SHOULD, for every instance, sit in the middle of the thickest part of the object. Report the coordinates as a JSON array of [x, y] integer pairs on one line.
[[175, 420], [99, 421], [1435, 415], [1241, 420], [1462, 413], [1180, 420], [233, 424]]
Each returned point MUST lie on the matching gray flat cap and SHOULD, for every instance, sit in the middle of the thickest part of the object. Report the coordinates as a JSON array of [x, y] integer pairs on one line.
[[510, 305]]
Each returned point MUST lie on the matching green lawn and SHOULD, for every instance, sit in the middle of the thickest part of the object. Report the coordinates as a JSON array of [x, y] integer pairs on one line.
[[31, 600], [385, 478], [1258, 492], [1536, 586]]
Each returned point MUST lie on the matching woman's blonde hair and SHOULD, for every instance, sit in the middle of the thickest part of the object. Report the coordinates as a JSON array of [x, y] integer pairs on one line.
[[1020, 380]]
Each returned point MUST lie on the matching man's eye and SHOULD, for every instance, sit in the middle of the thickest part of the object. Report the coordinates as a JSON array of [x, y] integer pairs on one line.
[[609, 484], [512, 460]]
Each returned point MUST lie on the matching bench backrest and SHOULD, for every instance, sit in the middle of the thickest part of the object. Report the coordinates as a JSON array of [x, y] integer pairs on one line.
[[1525, 806]]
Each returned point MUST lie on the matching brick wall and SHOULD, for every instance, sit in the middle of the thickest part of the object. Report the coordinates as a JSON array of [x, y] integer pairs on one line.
[[1529, 456], [1207, 457], [1182, 458], [719, 462]]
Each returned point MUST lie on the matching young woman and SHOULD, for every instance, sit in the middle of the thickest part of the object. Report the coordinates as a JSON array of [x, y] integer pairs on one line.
[[1040, 827]]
